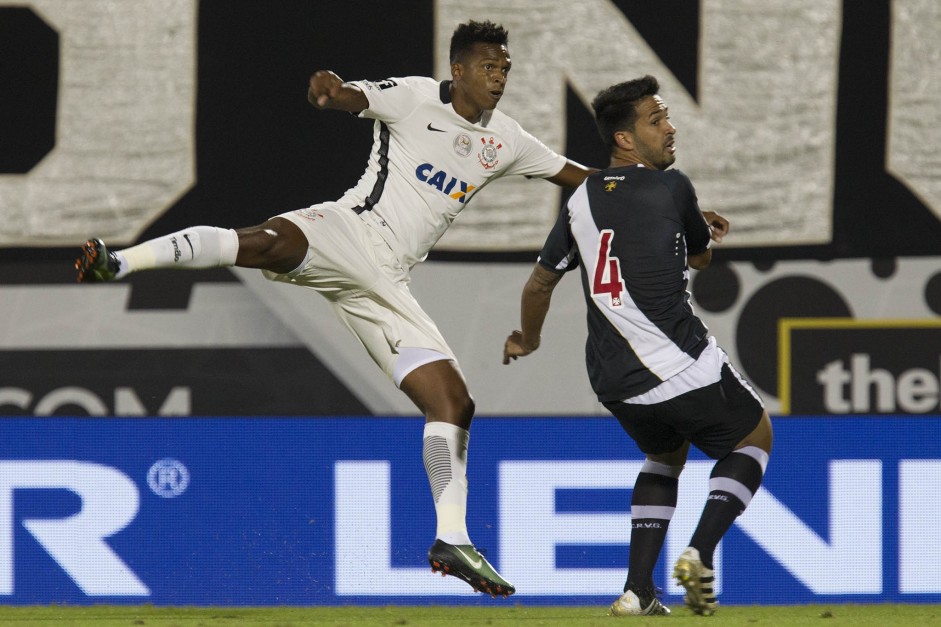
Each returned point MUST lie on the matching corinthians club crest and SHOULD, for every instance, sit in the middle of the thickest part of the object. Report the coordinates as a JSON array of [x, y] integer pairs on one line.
[[488, 155]]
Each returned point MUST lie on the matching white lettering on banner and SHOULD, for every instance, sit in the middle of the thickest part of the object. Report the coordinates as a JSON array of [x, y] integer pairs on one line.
[[743, 129], [855, 532], [364, 538], [919, 532], [916, 390], [124, 150], [110, 502], [530, 527], [15, 397], [126, 401], [168, 478]]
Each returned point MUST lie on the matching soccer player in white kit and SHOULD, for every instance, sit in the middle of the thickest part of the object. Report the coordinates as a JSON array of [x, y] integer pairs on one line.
[[436, 145]]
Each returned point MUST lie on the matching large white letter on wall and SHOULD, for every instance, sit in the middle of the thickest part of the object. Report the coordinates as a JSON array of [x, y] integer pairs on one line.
[[915, 91], [124, 147], [759, 144]]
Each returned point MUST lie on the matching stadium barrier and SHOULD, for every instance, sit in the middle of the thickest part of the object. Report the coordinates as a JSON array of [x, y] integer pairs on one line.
[[336, 511]]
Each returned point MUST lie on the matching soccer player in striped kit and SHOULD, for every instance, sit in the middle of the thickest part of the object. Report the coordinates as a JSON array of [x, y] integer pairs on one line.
[[635, 229]]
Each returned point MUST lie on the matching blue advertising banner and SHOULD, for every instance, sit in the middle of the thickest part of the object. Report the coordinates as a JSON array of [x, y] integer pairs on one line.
[[330, 511]]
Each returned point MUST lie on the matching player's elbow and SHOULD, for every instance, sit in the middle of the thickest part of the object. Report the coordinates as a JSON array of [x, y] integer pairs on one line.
[[700, 261]]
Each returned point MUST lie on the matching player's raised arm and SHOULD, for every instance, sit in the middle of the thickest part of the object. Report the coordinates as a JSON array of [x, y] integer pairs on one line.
[[718, 225], [718, 228], [328, 91]]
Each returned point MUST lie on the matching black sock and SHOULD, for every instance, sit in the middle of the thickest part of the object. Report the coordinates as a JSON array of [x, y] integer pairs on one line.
[[734, 480], [652, 505]]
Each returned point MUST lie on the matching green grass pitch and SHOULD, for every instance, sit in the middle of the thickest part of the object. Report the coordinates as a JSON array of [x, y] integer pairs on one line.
[[461, 616]]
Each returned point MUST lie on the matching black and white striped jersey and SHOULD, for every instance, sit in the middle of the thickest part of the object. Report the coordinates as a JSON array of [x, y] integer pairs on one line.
[[630, 229]]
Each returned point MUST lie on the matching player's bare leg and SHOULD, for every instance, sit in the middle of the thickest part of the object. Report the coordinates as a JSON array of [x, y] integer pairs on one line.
[[278, 245]]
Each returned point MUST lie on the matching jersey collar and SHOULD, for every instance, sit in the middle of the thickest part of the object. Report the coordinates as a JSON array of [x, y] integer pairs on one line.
[[444, 92]]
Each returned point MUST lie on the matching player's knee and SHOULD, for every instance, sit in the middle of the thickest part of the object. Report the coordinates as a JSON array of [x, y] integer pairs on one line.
[[277, 245], [761, 436], [460, 410], [468, 407]]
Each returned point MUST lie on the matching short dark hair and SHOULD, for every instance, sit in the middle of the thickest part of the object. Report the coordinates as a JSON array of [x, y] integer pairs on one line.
[[466, 35], [615, 107]]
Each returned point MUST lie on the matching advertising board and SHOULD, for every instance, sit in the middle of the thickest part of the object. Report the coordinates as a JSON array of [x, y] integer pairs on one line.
[[334, 511]]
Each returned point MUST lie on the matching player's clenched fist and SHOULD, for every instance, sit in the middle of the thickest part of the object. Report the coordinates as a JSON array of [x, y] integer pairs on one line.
[[324, 87]]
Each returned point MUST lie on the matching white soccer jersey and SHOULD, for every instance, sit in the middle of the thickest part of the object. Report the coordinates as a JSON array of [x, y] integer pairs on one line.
[[427, 162]]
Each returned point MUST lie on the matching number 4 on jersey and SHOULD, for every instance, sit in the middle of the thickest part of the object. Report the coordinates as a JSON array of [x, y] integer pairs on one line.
[[607, 279]]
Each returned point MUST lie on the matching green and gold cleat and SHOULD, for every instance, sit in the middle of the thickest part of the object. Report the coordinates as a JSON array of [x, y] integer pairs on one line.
[[96, 264], [698, 582], [465, 562]]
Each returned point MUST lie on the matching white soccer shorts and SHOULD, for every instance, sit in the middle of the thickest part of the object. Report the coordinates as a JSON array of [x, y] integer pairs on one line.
[[354, 268]]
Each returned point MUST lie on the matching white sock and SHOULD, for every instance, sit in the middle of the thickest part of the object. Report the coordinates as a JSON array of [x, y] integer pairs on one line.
[[193, 248], [444, 450]]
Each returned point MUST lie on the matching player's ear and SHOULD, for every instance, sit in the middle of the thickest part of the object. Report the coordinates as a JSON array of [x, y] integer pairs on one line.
[[624, 139]]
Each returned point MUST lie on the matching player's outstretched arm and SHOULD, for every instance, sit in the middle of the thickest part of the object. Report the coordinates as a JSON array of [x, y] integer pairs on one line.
[[537, 294], [571, 175], [328, 91]]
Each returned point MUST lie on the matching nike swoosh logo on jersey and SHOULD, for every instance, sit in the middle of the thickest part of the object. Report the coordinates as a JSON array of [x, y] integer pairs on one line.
[[437, 130], [474, 563]]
